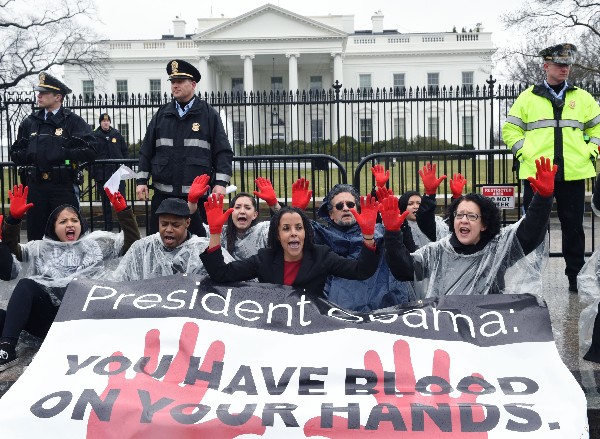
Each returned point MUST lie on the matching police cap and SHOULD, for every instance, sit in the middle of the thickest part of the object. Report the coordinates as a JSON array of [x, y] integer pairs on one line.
[[180, 69], [560, 54], [174, 206], [51, 84], [103, 117]]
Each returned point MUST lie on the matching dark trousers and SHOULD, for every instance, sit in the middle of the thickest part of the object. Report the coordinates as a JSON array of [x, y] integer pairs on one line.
[[47, 196], [106, 206], [197, 220], [29, 309], [569, 196]]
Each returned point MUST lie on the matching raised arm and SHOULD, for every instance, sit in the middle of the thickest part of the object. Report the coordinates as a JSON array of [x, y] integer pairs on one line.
[[397, 255], [127, 221], [532, 230]]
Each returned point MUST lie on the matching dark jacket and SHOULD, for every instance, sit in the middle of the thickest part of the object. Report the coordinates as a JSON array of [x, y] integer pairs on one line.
[[47, 144], [378, 291], [316, 265], [176, 150], [110, 145]]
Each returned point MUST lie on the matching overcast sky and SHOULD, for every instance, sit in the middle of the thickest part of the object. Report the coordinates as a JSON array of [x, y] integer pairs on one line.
[[152, 18]]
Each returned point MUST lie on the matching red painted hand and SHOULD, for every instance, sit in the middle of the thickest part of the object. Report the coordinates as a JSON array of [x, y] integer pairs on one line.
[[381, 175], [390, 214], [214, 213], [301, 194], [199, 187], [406, 397], [544, 177], [116, 200], [457, 185], [429, 178], [265, 191], [367, 217], [18, 201], [165, 394]]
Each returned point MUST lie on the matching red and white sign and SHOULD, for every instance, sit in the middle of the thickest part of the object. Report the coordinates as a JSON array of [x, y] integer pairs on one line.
[[178, 357], [503, 196]]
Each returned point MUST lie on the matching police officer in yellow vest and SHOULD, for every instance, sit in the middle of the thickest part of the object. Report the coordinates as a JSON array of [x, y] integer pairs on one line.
[[550, 120]]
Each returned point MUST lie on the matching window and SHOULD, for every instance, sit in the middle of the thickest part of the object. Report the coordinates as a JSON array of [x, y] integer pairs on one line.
[[433, 126], [277, 84], [155, 91], [364, 80], [122, 89], [399, 82], [467, 130], [239, 138], [316, 84], [237, 85], [399, 128], [316, 130], [467, 80], [433, 81], [124, 129], [88, 90], [366, 130]]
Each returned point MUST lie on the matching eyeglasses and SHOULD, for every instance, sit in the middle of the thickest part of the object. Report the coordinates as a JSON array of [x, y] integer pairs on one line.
[[470, 216], [340, 205]]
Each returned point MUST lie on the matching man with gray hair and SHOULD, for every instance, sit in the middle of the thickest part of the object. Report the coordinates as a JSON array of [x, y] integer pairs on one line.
[[342, 234]]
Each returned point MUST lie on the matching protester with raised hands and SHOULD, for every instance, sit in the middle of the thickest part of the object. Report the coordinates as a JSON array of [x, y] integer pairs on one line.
[[478, 257], [291, 258], [66, 251], [338, 229]]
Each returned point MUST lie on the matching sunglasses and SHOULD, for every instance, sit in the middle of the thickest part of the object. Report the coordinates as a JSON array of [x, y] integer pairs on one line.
[[340, 205]]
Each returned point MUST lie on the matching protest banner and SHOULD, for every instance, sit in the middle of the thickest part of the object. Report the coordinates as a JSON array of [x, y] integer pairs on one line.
[[184, 358]]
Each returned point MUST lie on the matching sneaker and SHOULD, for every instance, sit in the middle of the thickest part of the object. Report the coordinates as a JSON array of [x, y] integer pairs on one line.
[[8, 356]]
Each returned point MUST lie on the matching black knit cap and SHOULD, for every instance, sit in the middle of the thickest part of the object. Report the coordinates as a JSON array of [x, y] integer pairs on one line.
[[104, 116], [180, 69], [51, 84], [174, 206]]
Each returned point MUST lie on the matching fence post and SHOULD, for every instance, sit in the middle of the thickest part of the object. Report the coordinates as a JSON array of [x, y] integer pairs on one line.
[[337, 87], [491, 83]]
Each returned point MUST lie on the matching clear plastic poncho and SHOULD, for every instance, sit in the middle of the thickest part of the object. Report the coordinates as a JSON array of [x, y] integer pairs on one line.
[[148, 258], [420, 239], [588, 284], [53, 264], [500, 267], [249, 241]]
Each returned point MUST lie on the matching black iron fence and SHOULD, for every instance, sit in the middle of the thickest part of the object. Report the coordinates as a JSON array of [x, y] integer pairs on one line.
[[320, 134]]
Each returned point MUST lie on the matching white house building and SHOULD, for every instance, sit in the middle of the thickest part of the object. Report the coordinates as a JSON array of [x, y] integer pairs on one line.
[[274, 49]]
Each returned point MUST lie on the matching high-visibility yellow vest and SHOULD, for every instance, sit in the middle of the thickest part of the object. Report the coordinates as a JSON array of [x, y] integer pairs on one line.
[[537, 125]]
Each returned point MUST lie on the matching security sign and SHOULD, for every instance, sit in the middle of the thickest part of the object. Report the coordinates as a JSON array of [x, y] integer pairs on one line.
[[503, 196]]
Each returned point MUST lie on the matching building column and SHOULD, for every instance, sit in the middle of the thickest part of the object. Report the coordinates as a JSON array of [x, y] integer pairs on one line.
[[338, 74], [293, 88], [248, 73], [205, 76]]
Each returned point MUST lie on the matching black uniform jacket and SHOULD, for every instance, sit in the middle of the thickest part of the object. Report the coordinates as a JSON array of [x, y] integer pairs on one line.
[[48, 143], [316, 265], [178, 149], [110, 145]]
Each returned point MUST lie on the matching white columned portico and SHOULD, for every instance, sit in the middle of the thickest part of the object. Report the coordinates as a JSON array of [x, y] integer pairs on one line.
[[338, 74], [293, 88], [205, 76], [248, 73]]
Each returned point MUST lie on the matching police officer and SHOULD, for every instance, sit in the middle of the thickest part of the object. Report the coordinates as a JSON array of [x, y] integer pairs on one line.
[[185, 139], [50, 143], [111, 145], [550, 120]]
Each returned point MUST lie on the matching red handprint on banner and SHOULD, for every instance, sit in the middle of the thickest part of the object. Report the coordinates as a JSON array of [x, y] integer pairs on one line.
[[130, 419], [398, 409]]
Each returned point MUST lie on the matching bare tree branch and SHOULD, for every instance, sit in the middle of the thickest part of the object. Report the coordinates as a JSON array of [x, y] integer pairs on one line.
[[56, 35]]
